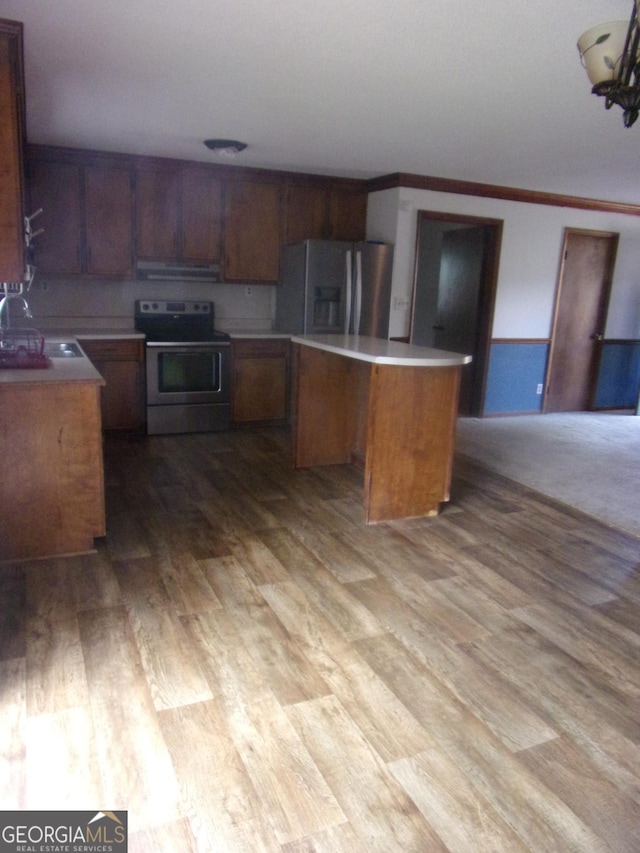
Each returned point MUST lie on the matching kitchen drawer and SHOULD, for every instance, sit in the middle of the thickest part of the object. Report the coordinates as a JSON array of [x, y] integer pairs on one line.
[[114, 350], [261, 347]]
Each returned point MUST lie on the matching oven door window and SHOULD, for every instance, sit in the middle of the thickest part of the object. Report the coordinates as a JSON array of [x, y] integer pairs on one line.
[[188, 372]]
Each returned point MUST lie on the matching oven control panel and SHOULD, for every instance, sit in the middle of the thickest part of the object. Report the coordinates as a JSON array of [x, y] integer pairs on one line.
[[184, 308], [177, 321]]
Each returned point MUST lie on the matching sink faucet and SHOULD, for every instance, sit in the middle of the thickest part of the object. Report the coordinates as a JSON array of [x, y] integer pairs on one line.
[[4, 309]]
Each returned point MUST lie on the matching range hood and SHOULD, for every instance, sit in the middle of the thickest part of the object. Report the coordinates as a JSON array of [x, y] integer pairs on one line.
[[176, 271]]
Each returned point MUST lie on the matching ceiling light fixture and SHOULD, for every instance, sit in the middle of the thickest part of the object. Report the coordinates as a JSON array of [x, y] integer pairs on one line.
[[225, 147], [610, 54]]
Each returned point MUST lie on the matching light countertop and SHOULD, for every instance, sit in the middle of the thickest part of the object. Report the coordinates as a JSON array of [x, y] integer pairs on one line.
[[121, 333], [91, 334], [78, 369], [379, 351], [240, 334]]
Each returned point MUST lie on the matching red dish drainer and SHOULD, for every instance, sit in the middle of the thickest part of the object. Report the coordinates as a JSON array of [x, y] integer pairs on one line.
[[22, 348]]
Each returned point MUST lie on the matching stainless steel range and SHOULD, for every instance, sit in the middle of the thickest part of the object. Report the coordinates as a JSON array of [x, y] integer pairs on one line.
[[188, 366]]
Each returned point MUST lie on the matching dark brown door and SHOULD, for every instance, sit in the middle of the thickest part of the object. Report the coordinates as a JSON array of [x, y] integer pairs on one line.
[[580, 315], [456, 323], [454, 293]]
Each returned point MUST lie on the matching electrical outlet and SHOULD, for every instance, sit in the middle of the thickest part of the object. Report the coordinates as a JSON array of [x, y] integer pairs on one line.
[[539, 388], [248, 290]]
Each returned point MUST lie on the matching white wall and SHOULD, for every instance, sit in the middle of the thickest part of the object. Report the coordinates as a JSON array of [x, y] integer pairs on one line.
[[529, 261]]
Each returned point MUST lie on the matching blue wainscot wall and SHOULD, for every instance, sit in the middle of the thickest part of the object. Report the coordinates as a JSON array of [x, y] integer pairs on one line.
[[619, 375], [517, 368]]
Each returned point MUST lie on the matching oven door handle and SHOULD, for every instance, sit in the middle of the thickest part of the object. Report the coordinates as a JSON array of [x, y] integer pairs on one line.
[[211, 345]]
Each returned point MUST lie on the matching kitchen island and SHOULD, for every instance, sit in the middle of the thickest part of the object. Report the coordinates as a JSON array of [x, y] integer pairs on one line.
[[389, 404], [51, 469]]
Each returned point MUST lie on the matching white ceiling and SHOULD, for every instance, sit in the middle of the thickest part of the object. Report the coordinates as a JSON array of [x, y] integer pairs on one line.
[[487, 91]]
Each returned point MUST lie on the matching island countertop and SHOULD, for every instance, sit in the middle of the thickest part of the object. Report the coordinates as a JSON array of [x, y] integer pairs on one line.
[[380, 351]]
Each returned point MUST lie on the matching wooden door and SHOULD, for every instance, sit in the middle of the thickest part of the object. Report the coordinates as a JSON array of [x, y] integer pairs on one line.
[[108, 220], [201, 215], [580, 314], [55, 187], [456, 321], [454, 293]]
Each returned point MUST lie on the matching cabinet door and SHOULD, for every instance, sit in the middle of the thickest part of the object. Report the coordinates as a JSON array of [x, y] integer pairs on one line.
[[120, 396], [55, 187], [305, 214], [201, 213], [11, 138], [252, 231], [347, 215], [157, 214], [119, 362], [108, 220], [260, 380]]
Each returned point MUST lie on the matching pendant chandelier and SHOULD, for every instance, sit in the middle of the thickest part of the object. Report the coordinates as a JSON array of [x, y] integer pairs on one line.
[[610, 54]]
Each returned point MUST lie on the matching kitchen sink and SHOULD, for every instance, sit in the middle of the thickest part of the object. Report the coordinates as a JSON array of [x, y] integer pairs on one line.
[[67, 349]]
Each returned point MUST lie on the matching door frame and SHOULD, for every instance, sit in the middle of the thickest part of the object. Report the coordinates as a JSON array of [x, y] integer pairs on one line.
[[486, 297], [606, 295]]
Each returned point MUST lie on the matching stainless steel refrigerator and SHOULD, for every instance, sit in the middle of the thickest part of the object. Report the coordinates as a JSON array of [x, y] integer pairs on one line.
[[335, 287]]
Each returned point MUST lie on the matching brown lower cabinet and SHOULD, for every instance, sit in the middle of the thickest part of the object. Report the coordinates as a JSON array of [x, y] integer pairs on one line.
[[260, 379], [120, 362]]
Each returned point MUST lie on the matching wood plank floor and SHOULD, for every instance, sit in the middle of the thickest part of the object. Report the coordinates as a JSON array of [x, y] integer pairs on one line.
[[244, 666]]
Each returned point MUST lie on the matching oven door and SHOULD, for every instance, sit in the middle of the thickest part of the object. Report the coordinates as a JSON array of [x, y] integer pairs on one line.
[[179, 374]]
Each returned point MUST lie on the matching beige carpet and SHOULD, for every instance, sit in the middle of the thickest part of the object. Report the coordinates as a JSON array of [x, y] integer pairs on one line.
[[590, 461]]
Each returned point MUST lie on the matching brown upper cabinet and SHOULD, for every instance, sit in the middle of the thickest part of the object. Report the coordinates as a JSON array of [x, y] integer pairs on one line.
[[253, 227], [347, 214], [87, 217], [178, 214], [157, 217], [103, 211], [306, 213], [12, 266], [325, 212]]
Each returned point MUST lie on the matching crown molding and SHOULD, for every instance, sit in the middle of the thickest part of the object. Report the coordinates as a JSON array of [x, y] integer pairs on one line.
[[448, 185]]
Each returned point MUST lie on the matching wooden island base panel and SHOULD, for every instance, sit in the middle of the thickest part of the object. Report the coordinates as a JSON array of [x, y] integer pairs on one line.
[[393, 404], [51, 465]]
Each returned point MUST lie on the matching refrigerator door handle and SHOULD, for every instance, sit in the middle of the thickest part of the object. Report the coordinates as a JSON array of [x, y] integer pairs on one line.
[[358, 311], [349, 286]]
